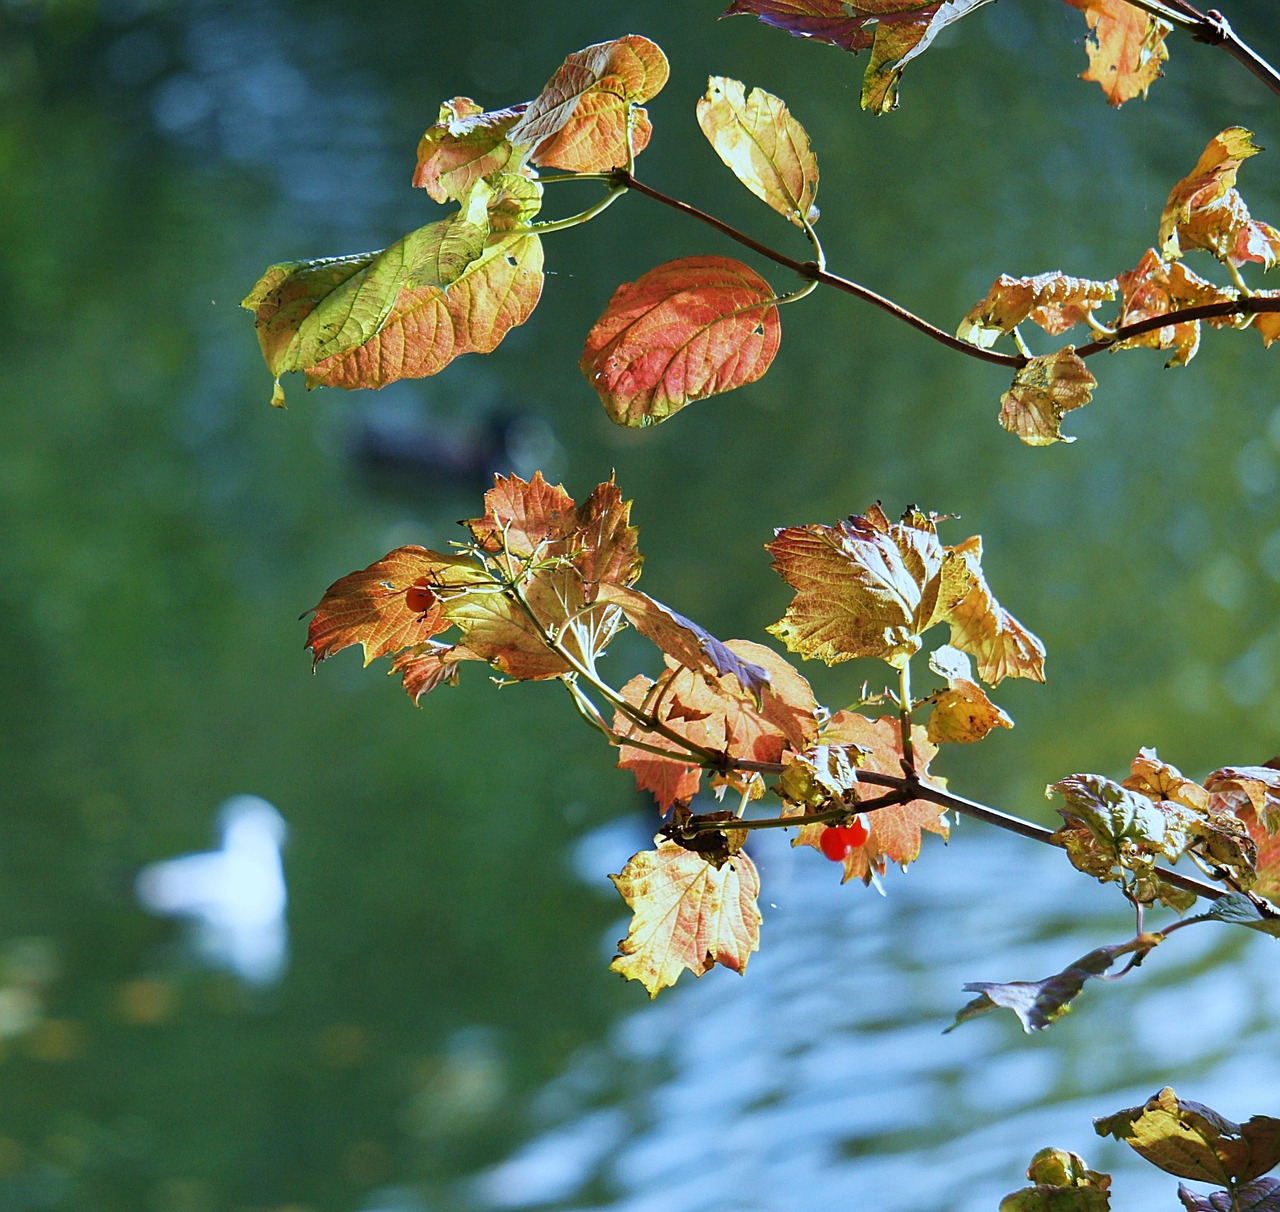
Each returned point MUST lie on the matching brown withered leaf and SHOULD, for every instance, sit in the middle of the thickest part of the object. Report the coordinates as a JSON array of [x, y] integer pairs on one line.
[[1155, 287], [980, 626], [1193, 1141], [716, 846], [1054, 301], [1043, 392], [1259, 784], [688, 914], [368, 607], [865, 587], [1125, 46], [1261, 1195], [961, 713]]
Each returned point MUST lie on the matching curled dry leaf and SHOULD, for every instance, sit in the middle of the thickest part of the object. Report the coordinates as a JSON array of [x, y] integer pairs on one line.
[[1125, 46], [1043, 392], [1054, 301], [688, 914], [691, 328], [1153, 288], [764, 146]]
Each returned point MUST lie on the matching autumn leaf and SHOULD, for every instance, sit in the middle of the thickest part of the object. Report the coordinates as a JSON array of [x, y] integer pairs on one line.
[[1205, 210], [1193, 1141], [764, 146], [1158, 780], [1063, 1183], [463, 145], [1241, 909], [1054, 301], [368, 607], [865, 587], [580, 119], [1043, 392], [1038, 1003], [1128, 823], [523, 516], [425, 666], [1267, 322], [691, 328], [689, 914], [1259, 785], [1125, 45], [1261, 1195], [896, 30], [961, 713], [1153, 288]]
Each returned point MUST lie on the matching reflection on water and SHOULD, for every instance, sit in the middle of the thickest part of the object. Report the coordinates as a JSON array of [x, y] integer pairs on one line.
[[234, 896]]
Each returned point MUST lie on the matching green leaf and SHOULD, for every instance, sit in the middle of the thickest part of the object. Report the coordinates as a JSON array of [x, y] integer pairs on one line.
[[1063, 1184]]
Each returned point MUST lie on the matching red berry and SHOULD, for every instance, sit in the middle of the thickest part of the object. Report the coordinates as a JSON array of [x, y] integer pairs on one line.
[[839, 841], [420, 597]]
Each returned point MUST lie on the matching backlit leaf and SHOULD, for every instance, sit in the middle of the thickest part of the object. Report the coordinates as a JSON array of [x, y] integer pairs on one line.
[[1158, 780], [1268, 322], [688, 914], [369, 608], [425, 666], [1259, 784], [1043, 392], [579, 120], [962, 713], [1154, 287], [686, 330], [1261, 1195], [522, 517], [1193, 1141], [767, 149], [1063, 1184], [1054, 301], [464, 144], [865, 587], [1037, 1003], [1125, 45]]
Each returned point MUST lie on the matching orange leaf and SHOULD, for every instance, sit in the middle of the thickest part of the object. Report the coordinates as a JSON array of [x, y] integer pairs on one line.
[[1154, 287], [425, 666], [368, 607], [1043, 392], [463, 145], [962, 713], [686, 330], [1054, 301], [1126, 47], [579, 121], [688, 915], [522, 516]]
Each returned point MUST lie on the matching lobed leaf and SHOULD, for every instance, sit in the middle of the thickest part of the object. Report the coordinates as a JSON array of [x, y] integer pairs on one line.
[[688, 915], [1125, 47], [425, 666], [1115, 814], [1054, 301], [1038, 1003], [1260, 785], [691, 328], [763, 145], [1193, 1141], [1043, 392], [1153, 288]]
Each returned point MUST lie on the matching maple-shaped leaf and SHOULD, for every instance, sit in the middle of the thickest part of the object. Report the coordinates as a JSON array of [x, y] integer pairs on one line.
[[369, 608], [1063, 1183], [581, 118], [1205, 210], [691, 328], [688, 914], [865, 586], [464, 144], [961, 713], [1125, 45], [670, 780], [1261, 1195], [1193, 1141], [896, 831], [1158, 780], [1054, 301], [425, 666], [764, 146], [896, 30], [1153, 288], [1043, 392], [1038, 1003], [523, 516]]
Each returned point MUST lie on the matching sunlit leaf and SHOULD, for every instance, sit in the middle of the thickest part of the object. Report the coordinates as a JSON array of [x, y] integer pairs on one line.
[[1268, 322], [689, 914], [819, 775], [464, 144], [369, 608], [1054, 301], [1043, 392], [523, 516], [1125, 45], [865, 587], [1261, 1195], [1116, 814], [1193, 1141], [670, 780], [1153, 288], [425, 666], [961, 713], [1259, 784], [1158, 780], [579, 120], [1063, 1184], [980, 626], [1037, 1003], [1240, 909], [686, 330], [767, 149]]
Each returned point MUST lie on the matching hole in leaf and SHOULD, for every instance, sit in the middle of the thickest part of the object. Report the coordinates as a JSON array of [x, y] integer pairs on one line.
[[758, 331], [510, 259]]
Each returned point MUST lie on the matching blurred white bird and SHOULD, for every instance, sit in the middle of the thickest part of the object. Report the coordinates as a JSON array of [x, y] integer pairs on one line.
[[235, 896]]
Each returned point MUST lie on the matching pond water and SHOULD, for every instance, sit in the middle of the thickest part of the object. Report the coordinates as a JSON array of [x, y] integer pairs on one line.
[[427, 1020]]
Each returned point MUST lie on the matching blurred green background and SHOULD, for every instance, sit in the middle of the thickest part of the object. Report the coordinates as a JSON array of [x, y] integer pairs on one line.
[[446, 1005]]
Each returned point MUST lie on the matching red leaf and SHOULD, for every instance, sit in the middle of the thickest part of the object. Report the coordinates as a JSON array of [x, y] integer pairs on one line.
[[686, 330]]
